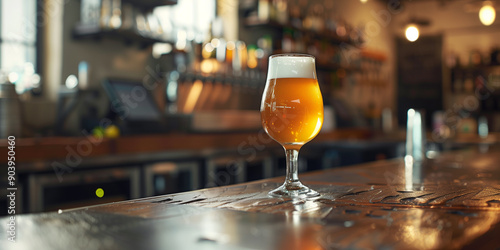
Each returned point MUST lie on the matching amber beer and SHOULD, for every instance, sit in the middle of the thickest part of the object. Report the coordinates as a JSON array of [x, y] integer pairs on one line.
[[292, 105], [292, 113]]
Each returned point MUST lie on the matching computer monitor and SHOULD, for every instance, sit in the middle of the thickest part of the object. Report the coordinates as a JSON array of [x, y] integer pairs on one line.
[[131, 100], [135, 105]]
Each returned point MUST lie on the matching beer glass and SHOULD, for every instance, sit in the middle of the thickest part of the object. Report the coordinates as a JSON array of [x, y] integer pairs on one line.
[[292, 113]]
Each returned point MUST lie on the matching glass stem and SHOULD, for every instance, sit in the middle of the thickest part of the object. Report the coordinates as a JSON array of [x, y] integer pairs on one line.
[[292, 168]]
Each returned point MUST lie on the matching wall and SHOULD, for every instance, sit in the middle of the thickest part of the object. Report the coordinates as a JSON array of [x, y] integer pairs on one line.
[[461, 30]]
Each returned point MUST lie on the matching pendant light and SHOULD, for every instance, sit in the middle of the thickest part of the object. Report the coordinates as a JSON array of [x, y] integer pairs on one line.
[[412, 32], [487, 13]]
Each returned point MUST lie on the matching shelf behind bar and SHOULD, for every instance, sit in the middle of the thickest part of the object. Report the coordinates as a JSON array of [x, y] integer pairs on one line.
[[94, 31], [150, 4], [254, 22]]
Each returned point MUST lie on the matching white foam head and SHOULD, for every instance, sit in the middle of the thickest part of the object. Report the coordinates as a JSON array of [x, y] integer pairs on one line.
[[291, 66]]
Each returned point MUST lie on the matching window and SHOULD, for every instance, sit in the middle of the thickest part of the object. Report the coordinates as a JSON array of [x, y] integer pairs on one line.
[[188, 19], [18, 43]]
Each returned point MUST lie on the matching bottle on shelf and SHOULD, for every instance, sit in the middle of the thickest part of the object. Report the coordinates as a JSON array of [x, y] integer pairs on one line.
[[281, 12], [287, 43], [295, 16], [106, 13], [264, 9], [127, 14], [115, 21]]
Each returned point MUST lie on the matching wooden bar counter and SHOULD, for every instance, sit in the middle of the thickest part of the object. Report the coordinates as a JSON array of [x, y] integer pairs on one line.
[[31, 150], [455, 205]]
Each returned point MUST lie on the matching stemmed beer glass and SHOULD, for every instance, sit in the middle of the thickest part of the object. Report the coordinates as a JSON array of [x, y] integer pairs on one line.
[[292, 113]]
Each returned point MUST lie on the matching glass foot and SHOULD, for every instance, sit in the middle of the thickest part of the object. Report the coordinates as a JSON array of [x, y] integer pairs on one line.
[[295, 190]]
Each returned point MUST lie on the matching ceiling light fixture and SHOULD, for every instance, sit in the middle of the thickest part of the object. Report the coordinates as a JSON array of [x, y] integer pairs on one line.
[[487, 13], [412, 33]]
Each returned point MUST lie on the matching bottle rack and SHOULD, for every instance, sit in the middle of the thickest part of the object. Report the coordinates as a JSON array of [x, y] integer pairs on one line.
[[481, 82], [326, 36], [465, 80]]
